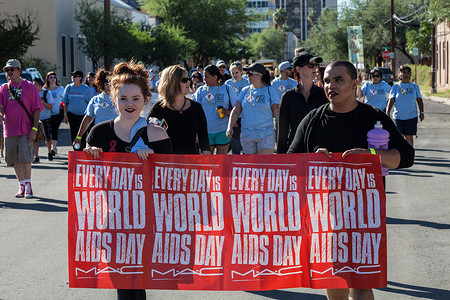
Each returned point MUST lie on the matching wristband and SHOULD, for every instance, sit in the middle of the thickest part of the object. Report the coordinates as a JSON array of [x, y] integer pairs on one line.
[[78, 137], [65, 114], [422, 113], [372, 151], [34, 128]]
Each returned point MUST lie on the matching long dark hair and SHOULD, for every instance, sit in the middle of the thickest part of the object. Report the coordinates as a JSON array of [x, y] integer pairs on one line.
[[46, 79], [214, 71], [266, 78]]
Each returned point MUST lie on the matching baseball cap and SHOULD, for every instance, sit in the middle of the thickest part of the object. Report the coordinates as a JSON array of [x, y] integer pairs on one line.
[[284, 65], [304, 58], [77, 73], [220, 62], [13, 63], [256, 67]]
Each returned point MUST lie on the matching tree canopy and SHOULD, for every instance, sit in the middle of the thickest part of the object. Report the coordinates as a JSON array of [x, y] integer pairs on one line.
[[214, 26], [268, 44], [17, 33]]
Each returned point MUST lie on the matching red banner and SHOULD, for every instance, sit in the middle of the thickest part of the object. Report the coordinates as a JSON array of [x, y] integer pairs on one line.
[[226, 222]]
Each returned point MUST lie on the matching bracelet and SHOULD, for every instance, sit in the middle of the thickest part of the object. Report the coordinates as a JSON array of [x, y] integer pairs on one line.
[[422, 113], [78, 137], [65, 114], [372, 151], [34, 128]]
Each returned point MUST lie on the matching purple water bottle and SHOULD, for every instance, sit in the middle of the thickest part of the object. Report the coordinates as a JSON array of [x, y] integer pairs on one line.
[[378, 138]]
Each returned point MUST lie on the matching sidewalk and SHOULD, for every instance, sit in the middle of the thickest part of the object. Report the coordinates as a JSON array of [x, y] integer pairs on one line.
[[437, 99]]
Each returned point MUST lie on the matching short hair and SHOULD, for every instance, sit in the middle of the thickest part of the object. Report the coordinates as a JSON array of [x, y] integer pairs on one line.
[[46, 79], [38, 81], [236, 65], [102, 78], [373, 71], [169, 84], [404, 68], [351, 70], [130, 73]]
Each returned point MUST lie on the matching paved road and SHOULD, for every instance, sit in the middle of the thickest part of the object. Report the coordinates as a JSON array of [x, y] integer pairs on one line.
[[33, 233]]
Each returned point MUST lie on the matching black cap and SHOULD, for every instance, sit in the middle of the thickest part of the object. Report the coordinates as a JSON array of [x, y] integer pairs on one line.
[[304, 58], [256, 67], [77, 73]]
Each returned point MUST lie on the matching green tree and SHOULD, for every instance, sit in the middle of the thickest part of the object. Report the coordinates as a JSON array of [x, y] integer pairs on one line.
[[17, 33], [214, 26], [161, 45], [280, 17], [269, 44], [420, 38], [91, 20]]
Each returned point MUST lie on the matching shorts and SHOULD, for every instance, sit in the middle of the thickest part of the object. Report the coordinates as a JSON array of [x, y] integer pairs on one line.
[[47, 128], [18, 150], [252, 145], [407, 127], [218, 139]]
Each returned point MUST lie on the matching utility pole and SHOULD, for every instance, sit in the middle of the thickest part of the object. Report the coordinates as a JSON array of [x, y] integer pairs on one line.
[[433, 57], [107, 12], [393, 39]]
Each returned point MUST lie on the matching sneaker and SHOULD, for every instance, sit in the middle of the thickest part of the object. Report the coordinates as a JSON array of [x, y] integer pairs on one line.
[[54, 151], [36, 160], [21, 191], [50, 156], [28, 190]]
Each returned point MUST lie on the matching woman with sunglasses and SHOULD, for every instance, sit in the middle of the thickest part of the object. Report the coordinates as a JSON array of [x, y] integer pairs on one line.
[[259, 104], [76, 98], [298, 102], [184, 118], [375, 91], [100, 108], [57, 114], [216, 99], [197, 81], [90, 82]]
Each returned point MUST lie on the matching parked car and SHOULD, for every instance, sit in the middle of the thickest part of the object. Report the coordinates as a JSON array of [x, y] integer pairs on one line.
[[29, 74], [387, 75]]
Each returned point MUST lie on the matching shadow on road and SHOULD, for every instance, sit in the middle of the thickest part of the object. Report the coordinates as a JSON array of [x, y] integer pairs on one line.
[[279, 294], [38, 206], [420, 292], [397, 221]]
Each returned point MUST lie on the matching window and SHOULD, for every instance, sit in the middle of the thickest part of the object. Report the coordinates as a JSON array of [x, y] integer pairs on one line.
[[63, 56], [72, 55]]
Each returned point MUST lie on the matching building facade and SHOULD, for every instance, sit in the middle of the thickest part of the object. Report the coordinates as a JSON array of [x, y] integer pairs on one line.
[[442, 54], [300, 10], [263, 8]]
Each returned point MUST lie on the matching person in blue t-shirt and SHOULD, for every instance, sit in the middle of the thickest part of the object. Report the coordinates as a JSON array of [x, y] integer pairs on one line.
[[100, 108], [403, 97], [216, 99], [76, 98], [259, 103], [284, 82], [375, 91], [237, 83], [47, 103]]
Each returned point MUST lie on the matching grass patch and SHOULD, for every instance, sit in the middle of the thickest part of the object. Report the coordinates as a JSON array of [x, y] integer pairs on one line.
[[426, 90]]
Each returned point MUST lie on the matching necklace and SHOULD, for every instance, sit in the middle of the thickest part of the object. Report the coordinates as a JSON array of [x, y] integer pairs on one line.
[[257, 99], [181, 109], [215, 98], [407, 92], [106, 106]]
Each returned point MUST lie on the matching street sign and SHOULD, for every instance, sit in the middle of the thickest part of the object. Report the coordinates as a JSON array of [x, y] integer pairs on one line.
[[392, 55], [415, 51], [386, 54], [386, 48]]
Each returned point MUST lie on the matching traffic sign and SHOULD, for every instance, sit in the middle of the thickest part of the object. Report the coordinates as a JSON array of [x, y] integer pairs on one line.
[[386, 54]]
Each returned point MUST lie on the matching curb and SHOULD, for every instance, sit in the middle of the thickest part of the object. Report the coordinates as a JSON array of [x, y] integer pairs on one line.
[[437, 99]]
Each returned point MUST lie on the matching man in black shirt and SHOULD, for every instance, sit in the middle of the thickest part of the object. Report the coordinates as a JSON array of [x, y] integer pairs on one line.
[[342, 126]]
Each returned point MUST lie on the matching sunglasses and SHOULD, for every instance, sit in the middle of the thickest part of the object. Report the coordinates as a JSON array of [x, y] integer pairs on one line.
[[376, 76], [51, 77], [249, 74], [74, 76], [185, 80], [311, 65], [223, 67], [9, 70]]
